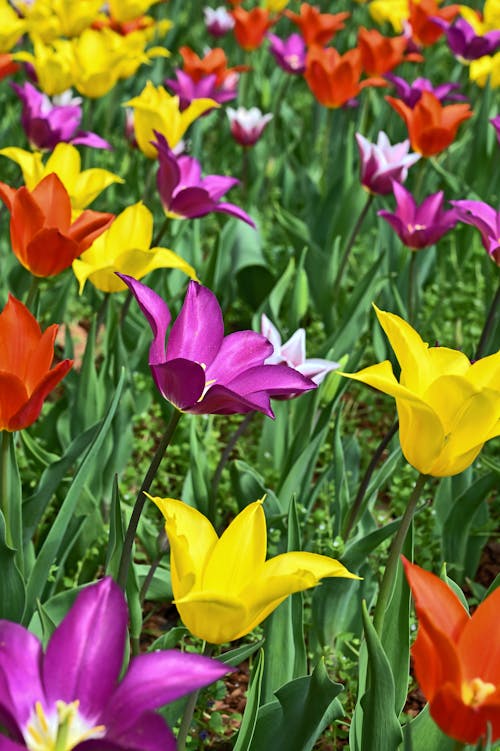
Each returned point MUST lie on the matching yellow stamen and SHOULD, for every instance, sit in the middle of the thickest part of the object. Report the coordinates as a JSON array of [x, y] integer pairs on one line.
[[476, 691], [60, 731]]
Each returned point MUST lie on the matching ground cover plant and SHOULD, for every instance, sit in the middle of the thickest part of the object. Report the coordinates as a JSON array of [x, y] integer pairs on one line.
[[249, 376]]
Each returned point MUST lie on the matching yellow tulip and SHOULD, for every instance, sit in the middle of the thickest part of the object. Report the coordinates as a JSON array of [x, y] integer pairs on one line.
[[156, 109], [394, 11], [11, 27], [447, 407], [49, 19], [487, 67], [491, 15], [83, 187], [124, 247], [224, 587], [97, 62], [128, 10], [134, 53], [54, 65], [275, 6]]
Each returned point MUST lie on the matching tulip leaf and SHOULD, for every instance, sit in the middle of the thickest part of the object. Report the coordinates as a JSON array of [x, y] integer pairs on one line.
[[87, 404], [239, 654], [171, 639], [12, 590], [425, 734], [304, 707], [247, 727]]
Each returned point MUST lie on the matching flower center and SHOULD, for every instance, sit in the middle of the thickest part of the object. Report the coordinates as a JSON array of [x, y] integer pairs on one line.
[[476, 691], [415, 227], [61, 730]]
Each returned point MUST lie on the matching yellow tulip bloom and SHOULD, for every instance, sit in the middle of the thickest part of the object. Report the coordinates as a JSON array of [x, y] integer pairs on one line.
[[128, 10], [54, 65], [49, 19], [394, 11], [11, 27], [487, 67], [124, 247], [224, 587], [98, 57], [83, 187], [447, 407], [275, 6], [156, 109]]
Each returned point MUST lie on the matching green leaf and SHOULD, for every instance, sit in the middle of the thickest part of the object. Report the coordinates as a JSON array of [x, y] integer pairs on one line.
[[426, 736], [12, 590], [247, 727], [239, 654]]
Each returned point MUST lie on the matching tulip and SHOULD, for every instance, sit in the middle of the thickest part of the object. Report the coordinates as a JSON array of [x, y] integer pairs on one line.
[[393, 11], [47, 123], [317, 28], [380, 54], [290, 53], [247, 126], [185, 194], [410, 93], [486, 220], [422, 17], [381, 163], [201, 371], [157, 110], [334, 79], [206, 88], [12, 27], [431, 126], [293, 353], [486, 70], [250, 27], [53, 63], [48, 21], [26, 378], [456, 658], [224, 587], [7, 66], [124, 247], [70, 696], [83, 187], [218, 21], [447, 407], [465, 44], [214, 62], [419, 226], [124, 11], [43, 237]]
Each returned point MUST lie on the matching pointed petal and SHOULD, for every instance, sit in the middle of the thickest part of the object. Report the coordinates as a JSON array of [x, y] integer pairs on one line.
[[220, 400], [132, 228], [157, 314], [232, 210], [30, 411], [148, 733], [462, 722], [479, 642], [20, 679], [238, 352], [49, 252], [53, 200], [198, 330], [88, 226], [275, 380], [180, 381]]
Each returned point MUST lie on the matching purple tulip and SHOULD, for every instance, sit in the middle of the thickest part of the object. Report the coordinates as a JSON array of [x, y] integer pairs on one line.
[[465, 43], [247, 126], [419, 226], [48, 122], [381, 162], [410, 93], [204, 372], [290, 53], [495, 121], [187, 89], [185, 194], [486, 220], [70, 698]]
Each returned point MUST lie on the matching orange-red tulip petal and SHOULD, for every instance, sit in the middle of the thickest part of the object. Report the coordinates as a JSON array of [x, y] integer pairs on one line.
[[334, 79], [423, 30], [26, 378], [456, 657], [431, 126], [380, 54], [42, 235], [214, 63], [7, 65], [250, 27], [317, 28]]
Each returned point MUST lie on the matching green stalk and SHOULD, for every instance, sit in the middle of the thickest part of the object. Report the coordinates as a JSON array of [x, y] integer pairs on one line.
[[31, 296], [128, 542], [242, 427], [488, 325], [5, 486], [390, 571], [412, 279], [187, 717], [350, 243]]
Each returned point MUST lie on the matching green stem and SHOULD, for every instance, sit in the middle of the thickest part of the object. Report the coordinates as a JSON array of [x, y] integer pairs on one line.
[[161, 232], [412, 278], [488, 325], [187, 717], [128, 542], [30, 297], [5, 486], [242, 427], [390, 571], [350, 243], [459, 746]]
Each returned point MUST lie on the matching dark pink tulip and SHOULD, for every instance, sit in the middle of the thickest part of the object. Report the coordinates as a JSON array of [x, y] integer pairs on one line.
[[202, 371], [410, 93], [290, 53], [247, 126], [486, 220], [382, 162], [218, 21], [465, 43], [185, 194], [207, 87], [419, 226], [71, 694], [48, 122]]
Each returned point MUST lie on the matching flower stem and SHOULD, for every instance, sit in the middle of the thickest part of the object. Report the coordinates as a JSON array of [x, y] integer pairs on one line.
[[31, 296], [187, 717], [350, 243], [389, 576], [363, 487], [5, 499], [128, 542], [242, 427], [160, 232], [488, 325], [412, 278]]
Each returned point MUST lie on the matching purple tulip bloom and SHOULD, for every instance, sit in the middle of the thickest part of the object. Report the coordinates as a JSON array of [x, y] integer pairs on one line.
[[204, 372], [419, 226], [486, 220], [185, 194], [187, 89], [70, 698], [381, 162], [290, 53], [410, 93], [495, 121], [48, 122], [465, 43]]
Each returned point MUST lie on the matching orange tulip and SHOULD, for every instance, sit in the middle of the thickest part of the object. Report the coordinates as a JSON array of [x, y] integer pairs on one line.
[[431, 126], [334, 78], [423, 30], [250, 27], [380, 54], [26, 354], [214, 63], [456, 657], [316, 27], [7, 65], [43, 237]]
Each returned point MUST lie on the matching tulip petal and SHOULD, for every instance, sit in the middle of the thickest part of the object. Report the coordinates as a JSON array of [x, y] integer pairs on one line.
[[20, 679], [88, 226], [49, 252], [410, 350], [220, 400], [420, 433], [276, 380], [460, 721], [30, 411], [13, 396], [88, 184], [238, 352], [156, 312], [215, 617], [85, 653], [138, 263], [53, 200], [479, 642], [17, 349], [180, 381], [148, 733], [198, 330], [132, 228], [485, 372]]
